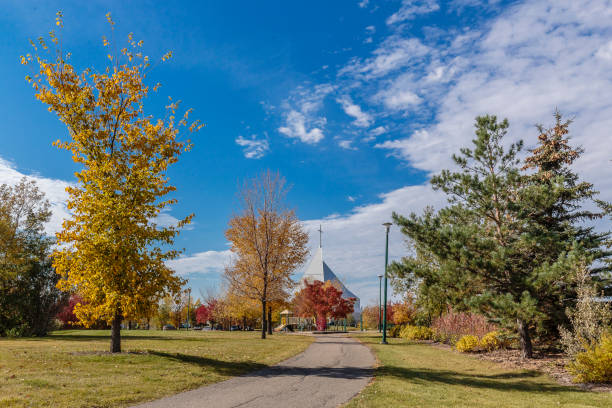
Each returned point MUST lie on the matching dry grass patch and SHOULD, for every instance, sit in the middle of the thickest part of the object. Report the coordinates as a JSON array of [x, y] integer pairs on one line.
[[73, 369]]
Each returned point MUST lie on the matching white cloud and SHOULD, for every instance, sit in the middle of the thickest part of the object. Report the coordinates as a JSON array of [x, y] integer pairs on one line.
[[398, 97], [363, 3], [374, 133], [165, 219], [253, 148], [605, 51], [351, 199], [346, 144], [201, 263], [54, 189], [377, 131], [301, 109], [370, 29], [412, 8], [362, 119], [393, 54]]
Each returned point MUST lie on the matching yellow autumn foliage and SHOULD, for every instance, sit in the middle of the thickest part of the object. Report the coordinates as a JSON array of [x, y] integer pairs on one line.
[[113, 251]]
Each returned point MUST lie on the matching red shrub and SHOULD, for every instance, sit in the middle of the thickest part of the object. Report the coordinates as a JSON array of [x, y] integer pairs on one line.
[[453, 325], [66, 314]]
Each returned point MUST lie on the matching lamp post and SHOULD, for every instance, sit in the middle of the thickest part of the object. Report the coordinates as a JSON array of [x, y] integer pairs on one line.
[[384, 339], [379, 302], [188, 302]]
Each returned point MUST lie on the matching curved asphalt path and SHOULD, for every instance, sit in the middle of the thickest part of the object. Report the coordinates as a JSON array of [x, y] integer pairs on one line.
[[330, 372]]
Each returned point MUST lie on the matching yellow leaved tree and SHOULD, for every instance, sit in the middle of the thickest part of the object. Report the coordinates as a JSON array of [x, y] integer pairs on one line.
[[268, 243], [112, 251]]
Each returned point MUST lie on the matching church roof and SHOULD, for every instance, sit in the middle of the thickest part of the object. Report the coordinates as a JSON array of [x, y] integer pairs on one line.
[[319, 270]]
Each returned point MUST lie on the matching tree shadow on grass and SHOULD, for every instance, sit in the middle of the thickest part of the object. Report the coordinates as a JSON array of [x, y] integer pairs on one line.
[[525, 381], [229, 368], [124, 337], [262, 370]]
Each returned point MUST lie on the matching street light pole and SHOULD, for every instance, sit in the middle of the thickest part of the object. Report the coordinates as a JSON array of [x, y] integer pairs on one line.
[[188, 302], [384, 339], [379, 302]]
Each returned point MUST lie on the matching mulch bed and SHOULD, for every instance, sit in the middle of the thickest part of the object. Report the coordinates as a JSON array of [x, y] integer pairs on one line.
[[549, 363]]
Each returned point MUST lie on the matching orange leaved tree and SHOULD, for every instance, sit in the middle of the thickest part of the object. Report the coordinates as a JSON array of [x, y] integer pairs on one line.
[[268, 243], [112, 251]]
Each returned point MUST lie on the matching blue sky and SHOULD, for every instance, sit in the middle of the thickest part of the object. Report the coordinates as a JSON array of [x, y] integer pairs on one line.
[[356, 103]]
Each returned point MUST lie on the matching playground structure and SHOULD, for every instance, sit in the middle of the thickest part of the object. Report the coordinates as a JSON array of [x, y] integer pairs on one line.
[[288, 322], [291, 323]]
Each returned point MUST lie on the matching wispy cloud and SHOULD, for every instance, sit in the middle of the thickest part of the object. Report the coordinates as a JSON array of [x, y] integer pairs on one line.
[[253, 148], [394, 53], [362, 119], [302, 120], [346, 144], [412, 8]]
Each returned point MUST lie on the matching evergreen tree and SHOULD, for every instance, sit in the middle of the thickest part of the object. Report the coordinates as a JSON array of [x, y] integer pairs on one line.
[[554, 202], [506, 243]]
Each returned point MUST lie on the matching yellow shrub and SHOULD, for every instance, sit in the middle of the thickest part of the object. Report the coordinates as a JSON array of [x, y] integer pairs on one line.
[[467, 343], [396, 330], [491, 341], [595, 364], [416, 333]]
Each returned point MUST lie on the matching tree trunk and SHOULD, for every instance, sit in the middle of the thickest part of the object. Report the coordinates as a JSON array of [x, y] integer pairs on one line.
[[243, 322], [269, 320], [526, 347], [116, 333], [263, 319]]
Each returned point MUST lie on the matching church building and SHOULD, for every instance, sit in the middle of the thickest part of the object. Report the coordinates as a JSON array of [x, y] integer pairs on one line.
[[319, 270]]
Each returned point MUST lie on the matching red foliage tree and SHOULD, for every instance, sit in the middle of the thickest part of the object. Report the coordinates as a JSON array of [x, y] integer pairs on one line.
[[321, 300], [66, 314], [206, 312]]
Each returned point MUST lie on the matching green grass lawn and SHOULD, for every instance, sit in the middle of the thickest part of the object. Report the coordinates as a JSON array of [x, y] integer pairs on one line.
[[420, 375], [72, 368]]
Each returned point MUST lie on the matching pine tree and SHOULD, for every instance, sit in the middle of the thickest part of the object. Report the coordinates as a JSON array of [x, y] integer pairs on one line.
[[554, 202]]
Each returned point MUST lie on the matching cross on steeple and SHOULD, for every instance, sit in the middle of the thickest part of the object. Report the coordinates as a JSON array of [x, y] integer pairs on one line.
[[320, 235]]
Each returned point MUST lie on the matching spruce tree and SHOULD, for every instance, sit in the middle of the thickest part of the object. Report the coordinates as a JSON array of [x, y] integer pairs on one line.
[[556, 201]]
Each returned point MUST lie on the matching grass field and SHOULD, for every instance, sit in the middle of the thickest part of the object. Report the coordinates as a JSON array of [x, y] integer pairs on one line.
[[420, 375], [73, 368]]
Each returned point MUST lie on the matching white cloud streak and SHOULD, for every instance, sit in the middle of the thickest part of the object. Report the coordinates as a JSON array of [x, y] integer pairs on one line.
[[410, 9], [253, 148], [362, 119], [301, 117]]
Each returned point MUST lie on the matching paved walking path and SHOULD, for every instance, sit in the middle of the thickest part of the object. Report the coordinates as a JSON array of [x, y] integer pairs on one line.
[[330, 372]]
